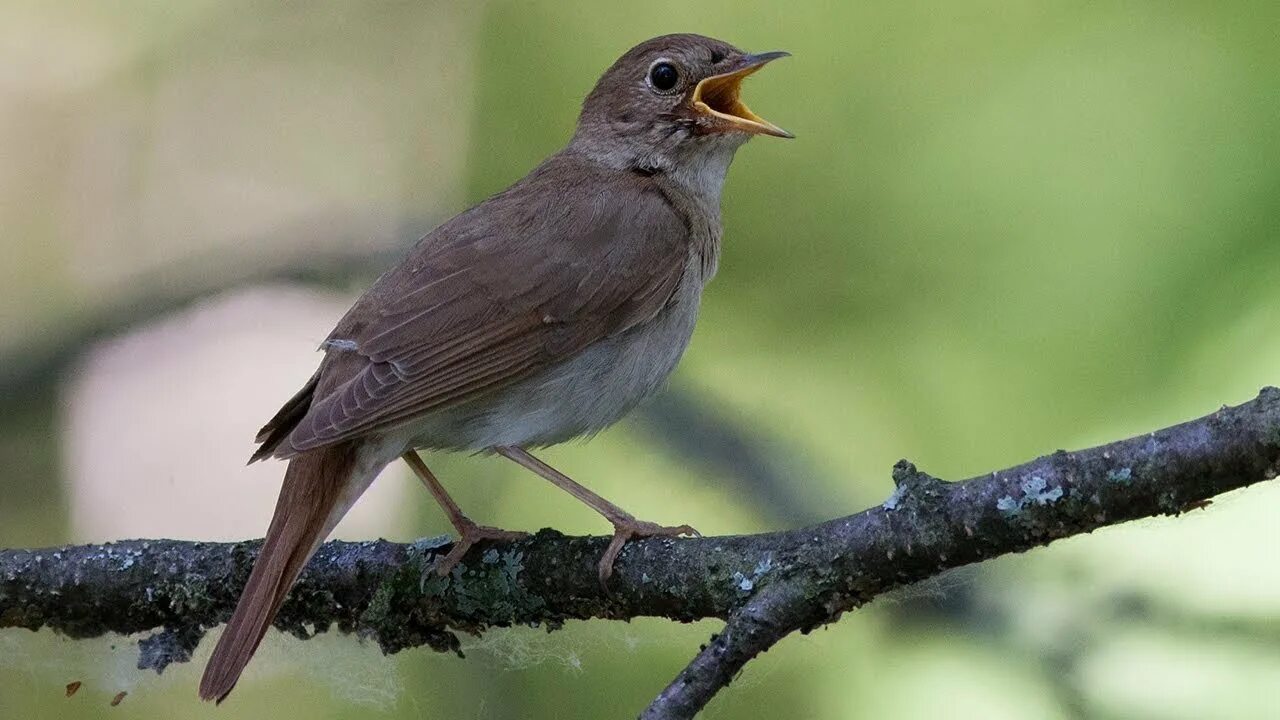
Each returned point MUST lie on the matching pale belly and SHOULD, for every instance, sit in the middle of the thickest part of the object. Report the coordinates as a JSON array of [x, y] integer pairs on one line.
[[578, 397]]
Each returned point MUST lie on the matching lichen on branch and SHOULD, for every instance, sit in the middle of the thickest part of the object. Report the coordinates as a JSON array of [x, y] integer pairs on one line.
[[764, 586]]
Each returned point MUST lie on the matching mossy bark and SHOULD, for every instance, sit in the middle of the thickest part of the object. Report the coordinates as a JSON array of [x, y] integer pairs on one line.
[[765, 586]]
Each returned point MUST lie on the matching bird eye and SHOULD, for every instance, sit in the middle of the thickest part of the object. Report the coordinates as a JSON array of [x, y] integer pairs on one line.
[[663, 76]]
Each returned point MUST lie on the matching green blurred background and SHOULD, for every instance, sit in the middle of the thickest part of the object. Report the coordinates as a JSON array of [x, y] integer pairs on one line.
[[1004, 228]]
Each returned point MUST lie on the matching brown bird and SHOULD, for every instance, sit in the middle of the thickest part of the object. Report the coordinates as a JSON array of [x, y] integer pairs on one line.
[[545, 313]]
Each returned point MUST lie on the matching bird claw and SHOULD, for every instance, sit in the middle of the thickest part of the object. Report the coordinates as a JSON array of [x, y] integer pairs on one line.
[[628, 528], [469, 535]]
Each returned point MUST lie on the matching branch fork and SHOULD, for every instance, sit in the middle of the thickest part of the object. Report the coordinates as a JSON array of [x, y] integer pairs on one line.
[[764, 586]]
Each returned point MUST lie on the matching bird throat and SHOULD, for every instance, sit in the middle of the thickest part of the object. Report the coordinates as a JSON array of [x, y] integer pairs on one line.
[[701, 168]]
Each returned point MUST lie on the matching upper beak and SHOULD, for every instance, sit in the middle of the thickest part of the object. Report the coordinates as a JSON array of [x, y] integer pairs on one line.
[[716, 98]]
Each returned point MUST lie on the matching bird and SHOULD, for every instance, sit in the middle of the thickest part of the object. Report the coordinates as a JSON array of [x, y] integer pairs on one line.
[[543, 314]]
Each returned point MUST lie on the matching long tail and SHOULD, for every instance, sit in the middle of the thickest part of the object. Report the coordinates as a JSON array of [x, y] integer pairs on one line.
[[319, 487]]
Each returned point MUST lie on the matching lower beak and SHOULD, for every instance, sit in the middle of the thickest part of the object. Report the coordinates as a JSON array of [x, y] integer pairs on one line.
[[716, 99]]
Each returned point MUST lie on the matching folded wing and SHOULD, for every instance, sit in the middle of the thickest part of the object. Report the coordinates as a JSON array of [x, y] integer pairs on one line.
[[567, 257]]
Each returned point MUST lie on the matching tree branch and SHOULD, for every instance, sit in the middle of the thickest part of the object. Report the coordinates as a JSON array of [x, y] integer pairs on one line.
[[766, 586]]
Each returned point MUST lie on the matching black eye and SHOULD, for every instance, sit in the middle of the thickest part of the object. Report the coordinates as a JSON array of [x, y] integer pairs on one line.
[[663, 76]]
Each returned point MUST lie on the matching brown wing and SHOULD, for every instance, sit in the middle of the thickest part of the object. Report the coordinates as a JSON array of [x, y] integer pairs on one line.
[[568, 256]]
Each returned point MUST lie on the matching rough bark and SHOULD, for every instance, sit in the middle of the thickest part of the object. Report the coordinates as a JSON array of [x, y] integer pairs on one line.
[[764, 586]]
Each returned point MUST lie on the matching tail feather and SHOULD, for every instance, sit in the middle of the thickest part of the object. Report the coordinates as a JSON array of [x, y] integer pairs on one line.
[[311, 502]]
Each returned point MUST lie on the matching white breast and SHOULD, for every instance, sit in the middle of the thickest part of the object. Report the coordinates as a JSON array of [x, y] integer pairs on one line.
[[580, 396]]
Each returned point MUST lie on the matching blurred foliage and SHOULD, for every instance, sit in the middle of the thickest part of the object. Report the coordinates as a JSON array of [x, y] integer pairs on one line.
[[1003, 228]]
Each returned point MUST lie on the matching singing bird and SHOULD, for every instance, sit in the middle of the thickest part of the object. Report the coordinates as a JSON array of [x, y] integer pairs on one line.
[[545, 313]]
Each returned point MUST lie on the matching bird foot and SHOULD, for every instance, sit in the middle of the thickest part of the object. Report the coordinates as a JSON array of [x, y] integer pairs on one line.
[[627, 528], [470, 534]]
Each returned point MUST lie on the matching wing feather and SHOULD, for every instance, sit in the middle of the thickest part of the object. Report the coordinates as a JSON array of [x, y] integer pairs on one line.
[[569, 256]]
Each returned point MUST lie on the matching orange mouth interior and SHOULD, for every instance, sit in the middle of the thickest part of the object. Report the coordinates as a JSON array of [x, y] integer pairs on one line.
[[719, 97]]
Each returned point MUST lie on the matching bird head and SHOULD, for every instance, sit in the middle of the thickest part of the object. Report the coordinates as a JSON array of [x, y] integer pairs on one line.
[[672, 102]]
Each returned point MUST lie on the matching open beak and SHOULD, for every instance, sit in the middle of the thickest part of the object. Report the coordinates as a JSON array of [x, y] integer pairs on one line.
[[716, 99]]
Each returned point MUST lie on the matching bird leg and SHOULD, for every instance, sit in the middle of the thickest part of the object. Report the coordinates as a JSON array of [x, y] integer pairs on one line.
[[625, 525], [469, 533]]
